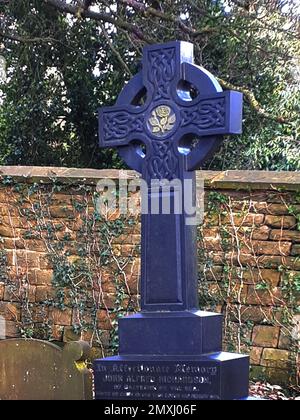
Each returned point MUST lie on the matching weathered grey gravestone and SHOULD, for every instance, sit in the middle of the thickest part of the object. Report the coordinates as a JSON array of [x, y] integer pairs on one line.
[[38, 370], [171, 350]]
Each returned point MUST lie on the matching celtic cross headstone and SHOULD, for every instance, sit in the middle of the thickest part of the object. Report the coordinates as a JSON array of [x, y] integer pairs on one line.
[[167, 121]]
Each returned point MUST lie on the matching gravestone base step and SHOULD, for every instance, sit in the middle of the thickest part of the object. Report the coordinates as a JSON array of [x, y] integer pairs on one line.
[[217, 376], [171, 333]]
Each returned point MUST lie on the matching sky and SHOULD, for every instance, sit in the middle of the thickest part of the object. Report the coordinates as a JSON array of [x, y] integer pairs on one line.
[[285, 8], [297, 7]]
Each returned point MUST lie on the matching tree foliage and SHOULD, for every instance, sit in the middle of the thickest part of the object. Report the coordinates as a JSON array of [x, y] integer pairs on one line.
[[65, 58]]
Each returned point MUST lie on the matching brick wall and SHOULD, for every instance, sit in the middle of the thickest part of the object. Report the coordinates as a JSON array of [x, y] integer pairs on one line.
[[68, 273]]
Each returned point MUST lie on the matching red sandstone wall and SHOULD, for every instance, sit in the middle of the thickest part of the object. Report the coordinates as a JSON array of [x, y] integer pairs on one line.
[[66, 273]]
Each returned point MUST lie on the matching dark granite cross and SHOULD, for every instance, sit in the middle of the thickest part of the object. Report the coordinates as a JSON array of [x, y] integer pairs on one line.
[[166, 107], [167, 121]]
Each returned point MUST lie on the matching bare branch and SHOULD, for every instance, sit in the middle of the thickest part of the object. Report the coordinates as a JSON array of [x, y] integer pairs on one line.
[[18, 38], [147, 11], [242, 4], [115, 51], [150, 11], [254, 102], [102, 17]]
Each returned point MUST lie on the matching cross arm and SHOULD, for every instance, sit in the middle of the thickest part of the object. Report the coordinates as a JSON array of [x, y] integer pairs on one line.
[[118, 126], [216, 115]]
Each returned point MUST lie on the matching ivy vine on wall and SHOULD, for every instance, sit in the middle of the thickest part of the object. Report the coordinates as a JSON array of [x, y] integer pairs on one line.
[[68, 272]]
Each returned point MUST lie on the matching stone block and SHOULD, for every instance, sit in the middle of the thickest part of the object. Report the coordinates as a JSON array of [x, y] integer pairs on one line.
[[60, 200], [267, 248], [272, 375], [2, 288], [134, 228], [14, 222], [79, 317], [103, 285], [211, 233], [23, 258], [105, 320], [283, 222], [237, 335], [261, 261], [11, 293], [125, 239], [211, 220], [97, 353], [285, 341], [276, 358], [17, 294], [213, 244], [239, 292], [133, 284], [135, 239], [133, 267], [271, 208], [10, 210], [269, 297], [70, 335], [45, 262], [125, 250], [296, 329], [76, 225], [255, 355], [12, 329], [265, 336], [63, 212], [255, 261], [261, 234], [257, 373], [61, 317], [108, 300], [255, 314], [66, 235], [295, 250], [40, 277], [285, 235], [104, 339], [6, 231], [258, 314], [44, 293], [255, 276], [36, 245], [13, 243], [57, 332], [214, 291], [214, 273], [30, 293], [40, 314], [218, 258], [247, 219], [10, 311]]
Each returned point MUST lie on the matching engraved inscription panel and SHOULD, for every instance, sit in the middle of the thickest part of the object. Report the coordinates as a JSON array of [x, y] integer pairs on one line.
[[158, 380]]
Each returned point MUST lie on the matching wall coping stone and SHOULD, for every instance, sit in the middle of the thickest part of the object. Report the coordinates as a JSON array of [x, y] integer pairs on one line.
[[245, 180]]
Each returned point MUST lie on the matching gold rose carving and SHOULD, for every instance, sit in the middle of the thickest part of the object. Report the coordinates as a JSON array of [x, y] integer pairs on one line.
[[162, 120]]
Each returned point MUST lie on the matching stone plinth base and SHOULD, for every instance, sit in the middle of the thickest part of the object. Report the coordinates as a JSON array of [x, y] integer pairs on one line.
[[171, 333], [217, 376]]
